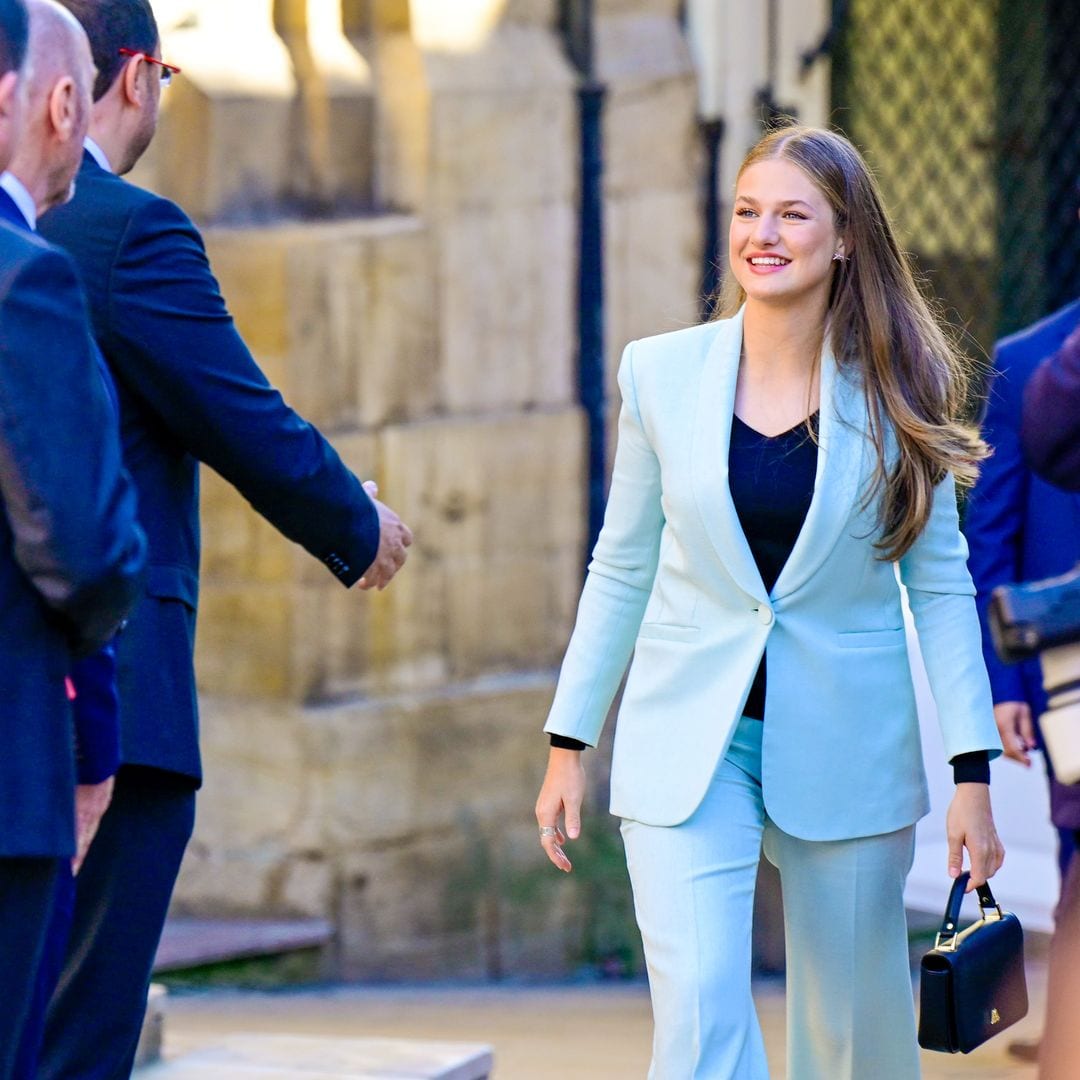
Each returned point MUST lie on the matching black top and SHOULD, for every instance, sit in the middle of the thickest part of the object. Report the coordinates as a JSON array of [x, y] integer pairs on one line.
[[772, 483]]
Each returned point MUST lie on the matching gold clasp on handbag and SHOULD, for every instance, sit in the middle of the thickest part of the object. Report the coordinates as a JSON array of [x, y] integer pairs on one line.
[[946, 942]]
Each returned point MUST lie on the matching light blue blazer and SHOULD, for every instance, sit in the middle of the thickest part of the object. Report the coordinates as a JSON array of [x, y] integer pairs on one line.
[[672, 580]]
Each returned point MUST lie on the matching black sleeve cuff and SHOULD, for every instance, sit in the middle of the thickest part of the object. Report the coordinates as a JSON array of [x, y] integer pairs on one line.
[[971, 768], [564, 742]]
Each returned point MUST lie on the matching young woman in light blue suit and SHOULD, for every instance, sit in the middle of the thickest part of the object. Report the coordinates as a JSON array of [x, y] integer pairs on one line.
[[777, 471]]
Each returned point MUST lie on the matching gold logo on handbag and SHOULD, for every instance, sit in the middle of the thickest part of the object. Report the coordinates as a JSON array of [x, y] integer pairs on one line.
[[995, 1016]]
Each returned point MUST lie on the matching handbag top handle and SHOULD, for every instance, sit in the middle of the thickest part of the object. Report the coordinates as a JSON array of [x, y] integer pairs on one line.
[[989, 907]]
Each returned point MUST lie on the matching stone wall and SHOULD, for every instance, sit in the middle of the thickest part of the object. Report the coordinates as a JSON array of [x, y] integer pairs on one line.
[[373, 759]]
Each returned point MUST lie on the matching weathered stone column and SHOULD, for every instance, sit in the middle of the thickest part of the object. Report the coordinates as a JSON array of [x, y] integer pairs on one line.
[[334, 119], [652, 177], [224, 147]]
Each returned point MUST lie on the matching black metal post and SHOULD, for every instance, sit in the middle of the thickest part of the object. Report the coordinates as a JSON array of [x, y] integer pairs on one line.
[[591, 299], [712, 135], [577, 24]]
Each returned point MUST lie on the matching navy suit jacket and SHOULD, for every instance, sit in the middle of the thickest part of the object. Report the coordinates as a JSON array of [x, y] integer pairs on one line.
[[71, 553], [1019, 527], [95, 704], [190, 391]]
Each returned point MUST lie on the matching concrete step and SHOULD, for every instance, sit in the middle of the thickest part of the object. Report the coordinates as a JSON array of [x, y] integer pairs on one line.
[[190, 943], [289, 1057]]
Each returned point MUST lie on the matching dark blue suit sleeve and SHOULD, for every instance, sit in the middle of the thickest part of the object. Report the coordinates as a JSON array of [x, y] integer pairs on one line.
[[96, 712], [994, 521], [70, 506], [179, 350], [1051, 428]]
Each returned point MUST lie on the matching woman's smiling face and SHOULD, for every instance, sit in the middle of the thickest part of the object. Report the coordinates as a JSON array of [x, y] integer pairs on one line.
[[783, 234]]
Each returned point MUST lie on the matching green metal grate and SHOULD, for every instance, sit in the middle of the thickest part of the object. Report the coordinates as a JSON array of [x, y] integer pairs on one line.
[[969, 113]]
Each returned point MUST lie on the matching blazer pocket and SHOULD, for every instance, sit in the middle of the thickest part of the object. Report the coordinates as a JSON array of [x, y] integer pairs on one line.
[[868, 639], [668, 631]]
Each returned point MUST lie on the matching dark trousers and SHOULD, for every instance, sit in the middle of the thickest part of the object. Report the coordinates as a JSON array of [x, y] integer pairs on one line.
[[52, 963], [121, 896], [26, 891]]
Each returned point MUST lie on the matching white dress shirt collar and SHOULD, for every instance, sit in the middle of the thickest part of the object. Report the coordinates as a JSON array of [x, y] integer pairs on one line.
[[21, 197], [97, 153]]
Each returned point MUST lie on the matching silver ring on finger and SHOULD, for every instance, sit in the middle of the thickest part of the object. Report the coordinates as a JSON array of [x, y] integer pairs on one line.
[[547, 830]]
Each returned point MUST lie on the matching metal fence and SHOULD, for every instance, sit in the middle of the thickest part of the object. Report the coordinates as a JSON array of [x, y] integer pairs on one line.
[[969, 113]]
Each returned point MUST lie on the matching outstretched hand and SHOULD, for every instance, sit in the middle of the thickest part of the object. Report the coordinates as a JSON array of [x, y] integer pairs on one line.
[[394, 538]]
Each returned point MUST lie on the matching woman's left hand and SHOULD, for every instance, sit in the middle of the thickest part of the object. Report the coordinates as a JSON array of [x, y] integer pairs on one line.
[[970, 824]]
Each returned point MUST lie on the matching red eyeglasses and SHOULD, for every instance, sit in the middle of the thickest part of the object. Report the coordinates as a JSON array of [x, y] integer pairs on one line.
[[167, 70]]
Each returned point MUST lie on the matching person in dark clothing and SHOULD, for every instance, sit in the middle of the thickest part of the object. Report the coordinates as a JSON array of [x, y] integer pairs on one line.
[[40, 176], [775, 468], [71, 560], [1021, 528], [189, 392], [1050, 436]]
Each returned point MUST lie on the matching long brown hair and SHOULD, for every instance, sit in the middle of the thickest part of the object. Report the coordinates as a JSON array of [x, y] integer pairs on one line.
[[915, 379]]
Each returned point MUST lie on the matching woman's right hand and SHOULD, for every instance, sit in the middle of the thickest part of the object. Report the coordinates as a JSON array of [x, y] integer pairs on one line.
[[560, 794]]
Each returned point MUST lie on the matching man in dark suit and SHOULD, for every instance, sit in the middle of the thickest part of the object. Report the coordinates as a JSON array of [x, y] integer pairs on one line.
[[40, 176], [1021, 528], [189, 392], [70, 560]]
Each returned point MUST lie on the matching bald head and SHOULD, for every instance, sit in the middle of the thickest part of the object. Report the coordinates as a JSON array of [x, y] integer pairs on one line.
[[58, 47], [60, 77]]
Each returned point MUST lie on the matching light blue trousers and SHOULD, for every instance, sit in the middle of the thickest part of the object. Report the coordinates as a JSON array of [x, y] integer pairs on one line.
[[850, 1011]]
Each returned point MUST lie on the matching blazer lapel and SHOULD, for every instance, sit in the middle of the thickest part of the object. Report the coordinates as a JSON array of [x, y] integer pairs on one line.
[[711, 442], [842, 444]]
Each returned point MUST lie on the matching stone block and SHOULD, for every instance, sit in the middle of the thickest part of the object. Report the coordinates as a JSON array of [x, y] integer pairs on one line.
[[340, 316], [403, 174], [273, 622], [244, 643], [496, 507], [506, 307], [283, 1057], [428, 764], [503, 122], [652, 271], [650, 125], [396, 342], [339, 811], [495, 122]]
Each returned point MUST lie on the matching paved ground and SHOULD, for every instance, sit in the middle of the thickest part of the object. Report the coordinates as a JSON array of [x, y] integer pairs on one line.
[[593, 1032]]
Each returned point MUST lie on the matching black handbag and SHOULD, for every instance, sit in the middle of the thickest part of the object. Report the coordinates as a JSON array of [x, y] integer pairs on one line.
[[972, 983]]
